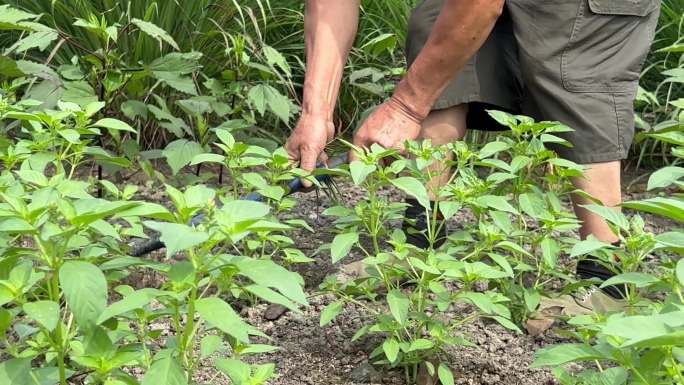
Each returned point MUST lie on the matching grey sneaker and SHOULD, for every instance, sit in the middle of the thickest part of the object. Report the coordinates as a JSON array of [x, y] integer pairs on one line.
[[585, 301], [598, 301]]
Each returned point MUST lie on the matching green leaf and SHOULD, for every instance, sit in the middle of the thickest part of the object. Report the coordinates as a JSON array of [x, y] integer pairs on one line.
[[550, 251], [503, 262], [5, 321], [217, 312], [207, 158], [238, 212], [391, 349], [263, 96], [199, 196], [177, 63], [533, 205], [14, 371], [680, 271], [532, 299], [155, 32], [71, 136], [269, 274], [11, 17], [420, 344], [673, 48], [493, 148], [8, 68], [135, 300], [50, 376], [146, 209], [609, 214], [180, 153], [46, 313], [262, 373], [272, 296], [665, 177], [377, 45], [209, 345], [666, 207], [564, 353], [637, 279], [360, 170], [85, 290], [275, 58], [330, 312], [165, 371], [114, 124], [672, 239], [39, 70], [259, 349], [177, 237], [587, 246], [444, 374], [98, 344], [33, 177], [342, 244], [513, 247], [399, 305], [236, 370], [414, 188], [610, 376], [449, 209], [40, 40], [496, 202], [133, 109], [15, 225]]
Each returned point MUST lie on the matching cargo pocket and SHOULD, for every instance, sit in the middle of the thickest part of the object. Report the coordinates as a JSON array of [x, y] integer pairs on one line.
[[608, 45]]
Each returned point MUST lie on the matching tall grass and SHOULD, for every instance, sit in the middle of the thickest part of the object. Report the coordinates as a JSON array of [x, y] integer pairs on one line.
[[658, 88], [195, 25], [214, 27]]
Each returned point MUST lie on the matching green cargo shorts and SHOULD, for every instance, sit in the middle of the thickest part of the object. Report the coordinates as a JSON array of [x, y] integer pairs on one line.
[[573, 61]]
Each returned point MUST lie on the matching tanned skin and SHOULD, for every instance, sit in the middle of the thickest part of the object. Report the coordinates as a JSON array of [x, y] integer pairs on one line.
[[460, 30]]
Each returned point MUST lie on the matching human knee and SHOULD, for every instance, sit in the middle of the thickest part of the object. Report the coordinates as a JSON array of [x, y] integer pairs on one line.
[[445, 126]]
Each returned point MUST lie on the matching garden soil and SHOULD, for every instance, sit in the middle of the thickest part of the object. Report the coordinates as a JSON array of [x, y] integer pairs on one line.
[[311, 355]]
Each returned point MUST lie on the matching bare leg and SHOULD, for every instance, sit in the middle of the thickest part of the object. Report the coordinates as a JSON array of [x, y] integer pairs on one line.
[[442, 127], [602, 181]]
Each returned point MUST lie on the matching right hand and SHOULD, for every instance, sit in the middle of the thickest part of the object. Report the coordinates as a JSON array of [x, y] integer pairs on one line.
[[306, 144]]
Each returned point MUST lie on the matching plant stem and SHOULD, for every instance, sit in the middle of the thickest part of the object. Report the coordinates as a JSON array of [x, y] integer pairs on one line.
[[675, 367], [189, 326], [55, 293]]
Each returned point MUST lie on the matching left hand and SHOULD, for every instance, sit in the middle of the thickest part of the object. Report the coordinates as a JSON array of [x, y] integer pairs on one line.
[[390, 125]]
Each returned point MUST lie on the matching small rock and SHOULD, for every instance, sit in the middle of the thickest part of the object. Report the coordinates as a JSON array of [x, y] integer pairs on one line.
[[365, 373], [536, 327], [274, 311]]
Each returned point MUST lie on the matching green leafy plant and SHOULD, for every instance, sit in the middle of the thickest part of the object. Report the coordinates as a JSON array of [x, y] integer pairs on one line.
[[495, 266], [643, 344], [68, 310]]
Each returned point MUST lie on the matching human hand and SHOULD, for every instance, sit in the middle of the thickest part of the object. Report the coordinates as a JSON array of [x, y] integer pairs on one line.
[[308, 140], [390, 125]]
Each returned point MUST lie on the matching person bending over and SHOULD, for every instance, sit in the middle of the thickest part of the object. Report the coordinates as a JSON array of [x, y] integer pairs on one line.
[[573, 61]]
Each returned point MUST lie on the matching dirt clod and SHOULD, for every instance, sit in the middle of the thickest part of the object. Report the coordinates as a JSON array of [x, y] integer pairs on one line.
[[274, 311]]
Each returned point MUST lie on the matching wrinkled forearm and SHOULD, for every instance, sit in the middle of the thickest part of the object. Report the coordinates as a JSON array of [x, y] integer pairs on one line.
[[460, 30], [330, 27]]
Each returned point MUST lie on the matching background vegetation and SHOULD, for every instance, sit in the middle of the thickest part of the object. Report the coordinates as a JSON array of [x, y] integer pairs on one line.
[[170, 87]]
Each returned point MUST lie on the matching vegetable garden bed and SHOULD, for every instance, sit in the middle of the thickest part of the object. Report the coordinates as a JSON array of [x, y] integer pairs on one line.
[[78, 190]]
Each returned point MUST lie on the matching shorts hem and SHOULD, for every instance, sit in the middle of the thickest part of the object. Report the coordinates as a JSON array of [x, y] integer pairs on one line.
[[595, 158], [444, 103]]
